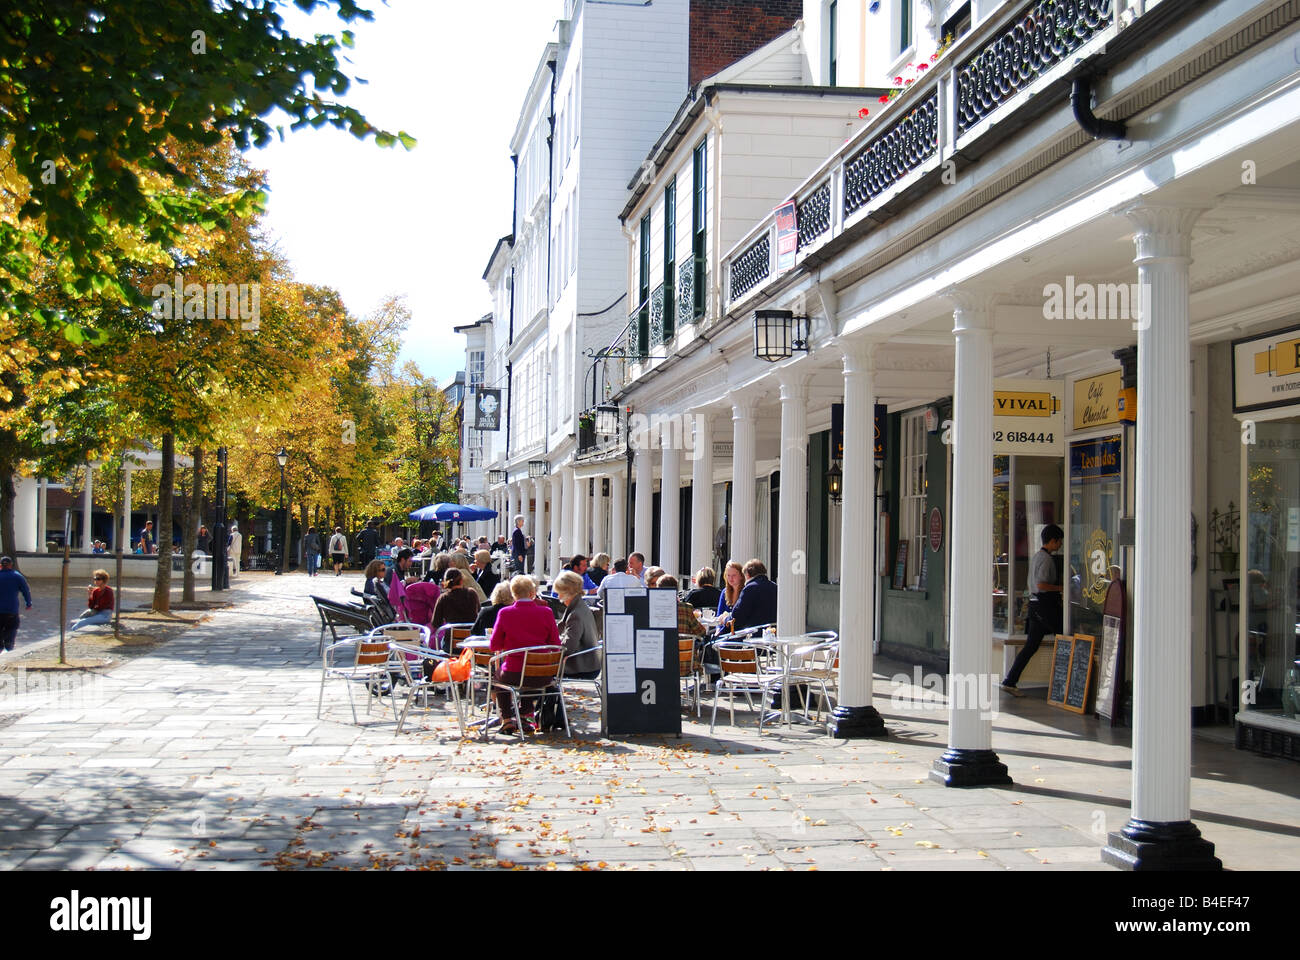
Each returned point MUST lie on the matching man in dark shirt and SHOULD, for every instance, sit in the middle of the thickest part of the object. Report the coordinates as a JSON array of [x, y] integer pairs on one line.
[[12, 583], [1045, 608], [757, 602], [368, 542]]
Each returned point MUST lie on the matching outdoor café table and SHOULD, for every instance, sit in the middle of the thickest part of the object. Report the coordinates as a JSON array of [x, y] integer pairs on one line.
[[477, 643], [786, 647]]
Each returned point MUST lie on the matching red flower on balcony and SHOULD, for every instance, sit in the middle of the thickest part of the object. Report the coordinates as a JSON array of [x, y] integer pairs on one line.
[[923, 66], [885, 98], [863, 113], [909, 81], [898, 80]]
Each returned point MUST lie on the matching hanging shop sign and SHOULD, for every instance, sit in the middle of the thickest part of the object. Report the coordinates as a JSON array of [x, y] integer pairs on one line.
[[1095, 459], [487, 410], [1098, 401], [787, 236], [1266, 371], [936, 530], [1028, 417], [837, 431]]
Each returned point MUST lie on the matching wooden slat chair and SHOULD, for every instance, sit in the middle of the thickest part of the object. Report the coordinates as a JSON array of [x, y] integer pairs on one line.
[[742, 672], [540, 675], [448, 636], [370, 665], [411, 658], [690, 667]]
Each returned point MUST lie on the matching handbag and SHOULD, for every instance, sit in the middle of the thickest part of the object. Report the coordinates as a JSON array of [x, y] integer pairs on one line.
[[455, 671]]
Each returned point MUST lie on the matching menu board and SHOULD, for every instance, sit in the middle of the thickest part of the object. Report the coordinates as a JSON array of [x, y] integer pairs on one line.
[[900, 566], [1071, 672], [641, 692], [1060, 669]]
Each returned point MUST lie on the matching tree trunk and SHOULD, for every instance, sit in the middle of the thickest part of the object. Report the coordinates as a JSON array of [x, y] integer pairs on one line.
[[162, 585], [190, 536], [303, 514], [8, 536]]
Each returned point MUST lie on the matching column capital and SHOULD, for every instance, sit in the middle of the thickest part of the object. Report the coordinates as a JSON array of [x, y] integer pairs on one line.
[[744, 406], [1163, 232], [859, 356], [972, 308], [794, 385]]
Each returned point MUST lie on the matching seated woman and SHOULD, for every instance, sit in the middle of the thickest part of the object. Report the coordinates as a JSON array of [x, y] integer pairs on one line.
[[733, 576], [461, 562], [99, 602], [577, 628], [524, 623], [457, 604], [487, 616], [706, 594], [652, 575], [375, 573]]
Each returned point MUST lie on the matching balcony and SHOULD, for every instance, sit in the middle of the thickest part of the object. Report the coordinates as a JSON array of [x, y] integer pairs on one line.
[[594, 445], [999, 71]]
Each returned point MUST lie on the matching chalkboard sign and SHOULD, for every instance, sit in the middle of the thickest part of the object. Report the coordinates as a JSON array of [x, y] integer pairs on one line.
[[900, 566], [1076, 696], [1056, 687], [640, 688], [1071, 672]]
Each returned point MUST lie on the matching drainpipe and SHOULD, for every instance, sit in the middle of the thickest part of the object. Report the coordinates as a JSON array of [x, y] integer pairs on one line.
[[550, 179], [1093, 125]]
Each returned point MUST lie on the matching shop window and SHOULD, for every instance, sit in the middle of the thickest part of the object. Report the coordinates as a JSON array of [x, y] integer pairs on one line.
[[1096, 503], [1270, 585], [913, 487]]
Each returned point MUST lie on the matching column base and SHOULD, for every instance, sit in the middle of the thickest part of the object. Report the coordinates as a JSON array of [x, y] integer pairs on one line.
[[857, 723], [969, 768], [1150, 845]]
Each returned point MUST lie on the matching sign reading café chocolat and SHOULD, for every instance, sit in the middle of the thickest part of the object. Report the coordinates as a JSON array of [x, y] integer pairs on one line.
[[1096, 400]]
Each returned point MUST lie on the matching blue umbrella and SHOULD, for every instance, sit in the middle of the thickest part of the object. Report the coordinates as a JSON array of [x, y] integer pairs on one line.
[[461, 513]]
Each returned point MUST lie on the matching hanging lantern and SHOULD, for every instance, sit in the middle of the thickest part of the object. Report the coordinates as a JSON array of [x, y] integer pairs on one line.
[[778, 333], [835, 482], [537, 469], [607, 419]]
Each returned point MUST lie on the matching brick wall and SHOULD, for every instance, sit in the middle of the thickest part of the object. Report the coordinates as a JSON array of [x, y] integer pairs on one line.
[[724, 31]]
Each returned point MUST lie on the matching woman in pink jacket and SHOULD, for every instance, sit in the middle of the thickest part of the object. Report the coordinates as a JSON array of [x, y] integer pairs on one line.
[[525, 623]]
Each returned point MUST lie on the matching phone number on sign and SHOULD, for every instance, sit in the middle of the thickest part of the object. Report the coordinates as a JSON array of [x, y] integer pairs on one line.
[[1019, 436]]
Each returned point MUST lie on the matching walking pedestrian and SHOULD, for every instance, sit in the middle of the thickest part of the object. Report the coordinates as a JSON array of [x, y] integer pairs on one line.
[[519, 545], [234, 549], [367, 542], [12, 583], [1045, 607], [339, 550], [311, 550]]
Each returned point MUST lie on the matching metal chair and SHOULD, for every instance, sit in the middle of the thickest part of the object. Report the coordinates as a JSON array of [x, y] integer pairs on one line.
[[595, 681], [333, 615], [743, 671], [540, 675], [690, 667], [418, 684], [817, 663], [446, 638], [370, 667]]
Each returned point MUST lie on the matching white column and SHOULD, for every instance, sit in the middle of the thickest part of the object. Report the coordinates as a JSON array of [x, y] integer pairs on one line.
[[670, 504], [42, 508], [126, 509], [1159, 833], [599, 506], [744, 533], [512, 507], [702, 494], [642, 535], [617, 516], [27, 498], [792, 520], [87, 502], [969, 759], [567, 546], [556, 522], [580, 508], [855, 715], [540, 486]]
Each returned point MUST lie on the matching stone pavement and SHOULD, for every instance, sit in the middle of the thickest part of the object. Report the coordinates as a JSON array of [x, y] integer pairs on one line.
[[206, 754]]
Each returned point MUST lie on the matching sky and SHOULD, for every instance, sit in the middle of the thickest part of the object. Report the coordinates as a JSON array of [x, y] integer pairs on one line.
[[373, 222]]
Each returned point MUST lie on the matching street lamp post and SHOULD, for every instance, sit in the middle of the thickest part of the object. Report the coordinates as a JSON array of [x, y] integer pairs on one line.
[[282, 457]]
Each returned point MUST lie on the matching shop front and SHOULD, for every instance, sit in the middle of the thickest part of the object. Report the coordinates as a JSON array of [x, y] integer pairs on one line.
[[1266, 386]]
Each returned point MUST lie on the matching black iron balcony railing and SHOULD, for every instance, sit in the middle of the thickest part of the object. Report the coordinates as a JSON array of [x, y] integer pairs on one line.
[[898, 152], [1040, 38]]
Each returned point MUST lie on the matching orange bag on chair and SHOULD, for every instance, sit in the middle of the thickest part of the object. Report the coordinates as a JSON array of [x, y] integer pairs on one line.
[[455, 671]]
